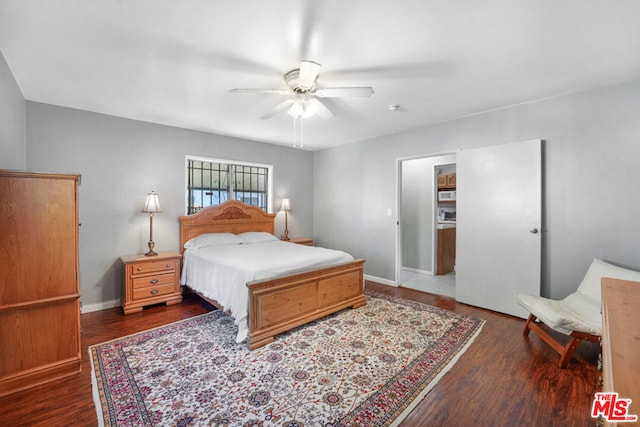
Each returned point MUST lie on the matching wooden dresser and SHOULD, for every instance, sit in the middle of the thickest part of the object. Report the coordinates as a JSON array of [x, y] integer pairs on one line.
[[39, 288], [621, 340]]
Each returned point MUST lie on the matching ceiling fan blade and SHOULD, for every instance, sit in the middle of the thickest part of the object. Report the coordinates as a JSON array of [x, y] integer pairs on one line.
[[280, 107], [308, 73], [252, 90], [321, 109], [337, 92]]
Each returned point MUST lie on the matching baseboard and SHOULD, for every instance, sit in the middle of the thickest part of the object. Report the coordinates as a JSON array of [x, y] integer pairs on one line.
[[88, 308], [417, 271], [380, 280]]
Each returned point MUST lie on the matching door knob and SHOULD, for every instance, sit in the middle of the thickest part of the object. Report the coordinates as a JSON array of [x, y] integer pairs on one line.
[[533, 231]]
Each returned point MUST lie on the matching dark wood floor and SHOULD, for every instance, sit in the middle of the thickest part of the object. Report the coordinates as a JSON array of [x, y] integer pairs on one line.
[[504, 379]]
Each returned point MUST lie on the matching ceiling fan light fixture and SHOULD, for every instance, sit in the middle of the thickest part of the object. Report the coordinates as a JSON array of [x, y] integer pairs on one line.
[[302, 109]]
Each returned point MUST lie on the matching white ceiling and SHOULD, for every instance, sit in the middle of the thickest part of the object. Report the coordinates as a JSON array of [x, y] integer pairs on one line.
[[173, 61]]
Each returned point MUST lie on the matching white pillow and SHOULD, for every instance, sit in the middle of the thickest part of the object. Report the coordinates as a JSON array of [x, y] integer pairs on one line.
[[257, 237], [213, 239]]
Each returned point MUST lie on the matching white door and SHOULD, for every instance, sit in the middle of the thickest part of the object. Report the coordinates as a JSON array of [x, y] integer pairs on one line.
[[498, 236]]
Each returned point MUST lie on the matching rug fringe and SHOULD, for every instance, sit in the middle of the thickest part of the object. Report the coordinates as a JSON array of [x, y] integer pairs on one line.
[[95, 391]]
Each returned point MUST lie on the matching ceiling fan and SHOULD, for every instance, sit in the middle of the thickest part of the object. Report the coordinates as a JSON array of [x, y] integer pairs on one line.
[[303, 94]]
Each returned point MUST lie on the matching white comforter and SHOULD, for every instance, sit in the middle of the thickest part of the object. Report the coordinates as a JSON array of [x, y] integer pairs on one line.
[[221, 272]]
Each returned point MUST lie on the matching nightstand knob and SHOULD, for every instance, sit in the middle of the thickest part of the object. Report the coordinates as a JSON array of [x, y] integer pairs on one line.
[[139, 268], [168, 265], [153, 282], [154, 291]]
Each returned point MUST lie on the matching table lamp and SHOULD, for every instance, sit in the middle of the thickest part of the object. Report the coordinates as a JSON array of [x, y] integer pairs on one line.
[[151, 206]]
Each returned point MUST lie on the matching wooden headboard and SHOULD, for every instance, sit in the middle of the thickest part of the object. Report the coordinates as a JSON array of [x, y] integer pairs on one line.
[[231, 216]]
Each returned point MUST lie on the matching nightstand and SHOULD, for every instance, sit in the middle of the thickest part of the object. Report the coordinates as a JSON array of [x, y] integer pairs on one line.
[[150, 280], [302, 241]]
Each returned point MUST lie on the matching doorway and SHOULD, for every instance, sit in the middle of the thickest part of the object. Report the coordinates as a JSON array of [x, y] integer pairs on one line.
[[417, 231]]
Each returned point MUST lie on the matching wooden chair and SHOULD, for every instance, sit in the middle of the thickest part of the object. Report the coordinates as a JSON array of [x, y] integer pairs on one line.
[[578, 315], [565, 351]]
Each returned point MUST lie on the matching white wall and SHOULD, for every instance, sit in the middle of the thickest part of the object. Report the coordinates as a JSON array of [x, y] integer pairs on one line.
[[591, 207], [121, 160], [12, 120]]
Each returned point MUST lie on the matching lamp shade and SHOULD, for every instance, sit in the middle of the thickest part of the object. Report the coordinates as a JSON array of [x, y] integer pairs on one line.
[[152, 204], [286, 205]]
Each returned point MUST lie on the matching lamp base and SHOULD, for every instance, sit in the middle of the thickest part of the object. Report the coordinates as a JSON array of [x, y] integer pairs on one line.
[[151, 244], [285, 236]]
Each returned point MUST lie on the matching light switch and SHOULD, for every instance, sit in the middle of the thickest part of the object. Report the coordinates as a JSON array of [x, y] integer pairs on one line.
[[389, 212]]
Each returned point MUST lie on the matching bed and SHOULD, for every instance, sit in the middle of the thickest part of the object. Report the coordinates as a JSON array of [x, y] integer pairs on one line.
[[277, 299]]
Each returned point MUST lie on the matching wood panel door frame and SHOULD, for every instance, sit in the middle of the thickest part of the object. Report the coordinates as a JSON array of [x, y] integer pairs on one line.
[[398, 239]]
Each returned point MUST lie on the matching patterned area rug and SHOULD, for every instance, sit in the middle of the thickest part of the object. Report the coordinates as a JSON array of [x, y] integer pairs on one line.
[[363, 367]]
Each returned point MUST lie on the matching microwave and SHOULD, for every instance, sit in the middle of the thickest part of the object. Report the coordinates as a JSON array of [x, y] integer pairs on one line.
[[447, 215], [446, 196]]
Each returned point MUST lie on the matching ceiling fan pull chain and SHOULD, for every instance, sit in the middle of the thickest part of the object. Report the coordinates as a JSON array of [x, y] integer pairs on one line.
[[295, 131], [298, 132], [301, 132]]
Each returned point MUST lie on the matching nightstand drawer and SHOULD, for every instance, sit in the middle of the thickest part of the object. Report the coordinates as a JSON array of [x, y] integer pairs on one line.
[[155, 280], [153, 291], [153, 267]]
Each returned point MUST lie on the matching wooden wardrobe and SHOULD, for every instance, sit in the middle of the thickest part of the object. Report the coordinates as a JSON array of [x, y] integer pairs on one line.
[[39, 286]]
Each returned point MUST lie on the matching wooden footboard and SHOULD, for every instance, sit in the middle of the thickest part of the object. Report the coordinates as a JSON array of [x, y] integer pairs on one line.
[[279, 304]]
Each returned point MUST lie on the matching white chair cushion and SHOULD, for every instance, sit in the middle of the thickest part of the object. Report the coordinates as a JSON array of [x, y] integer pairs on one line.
[[574, 313], [591, 284], [580, 311]]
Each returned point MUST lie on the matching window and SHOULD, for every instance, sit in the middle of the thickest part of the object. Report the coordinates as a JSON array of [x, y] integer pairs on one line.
[[211, 182]]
